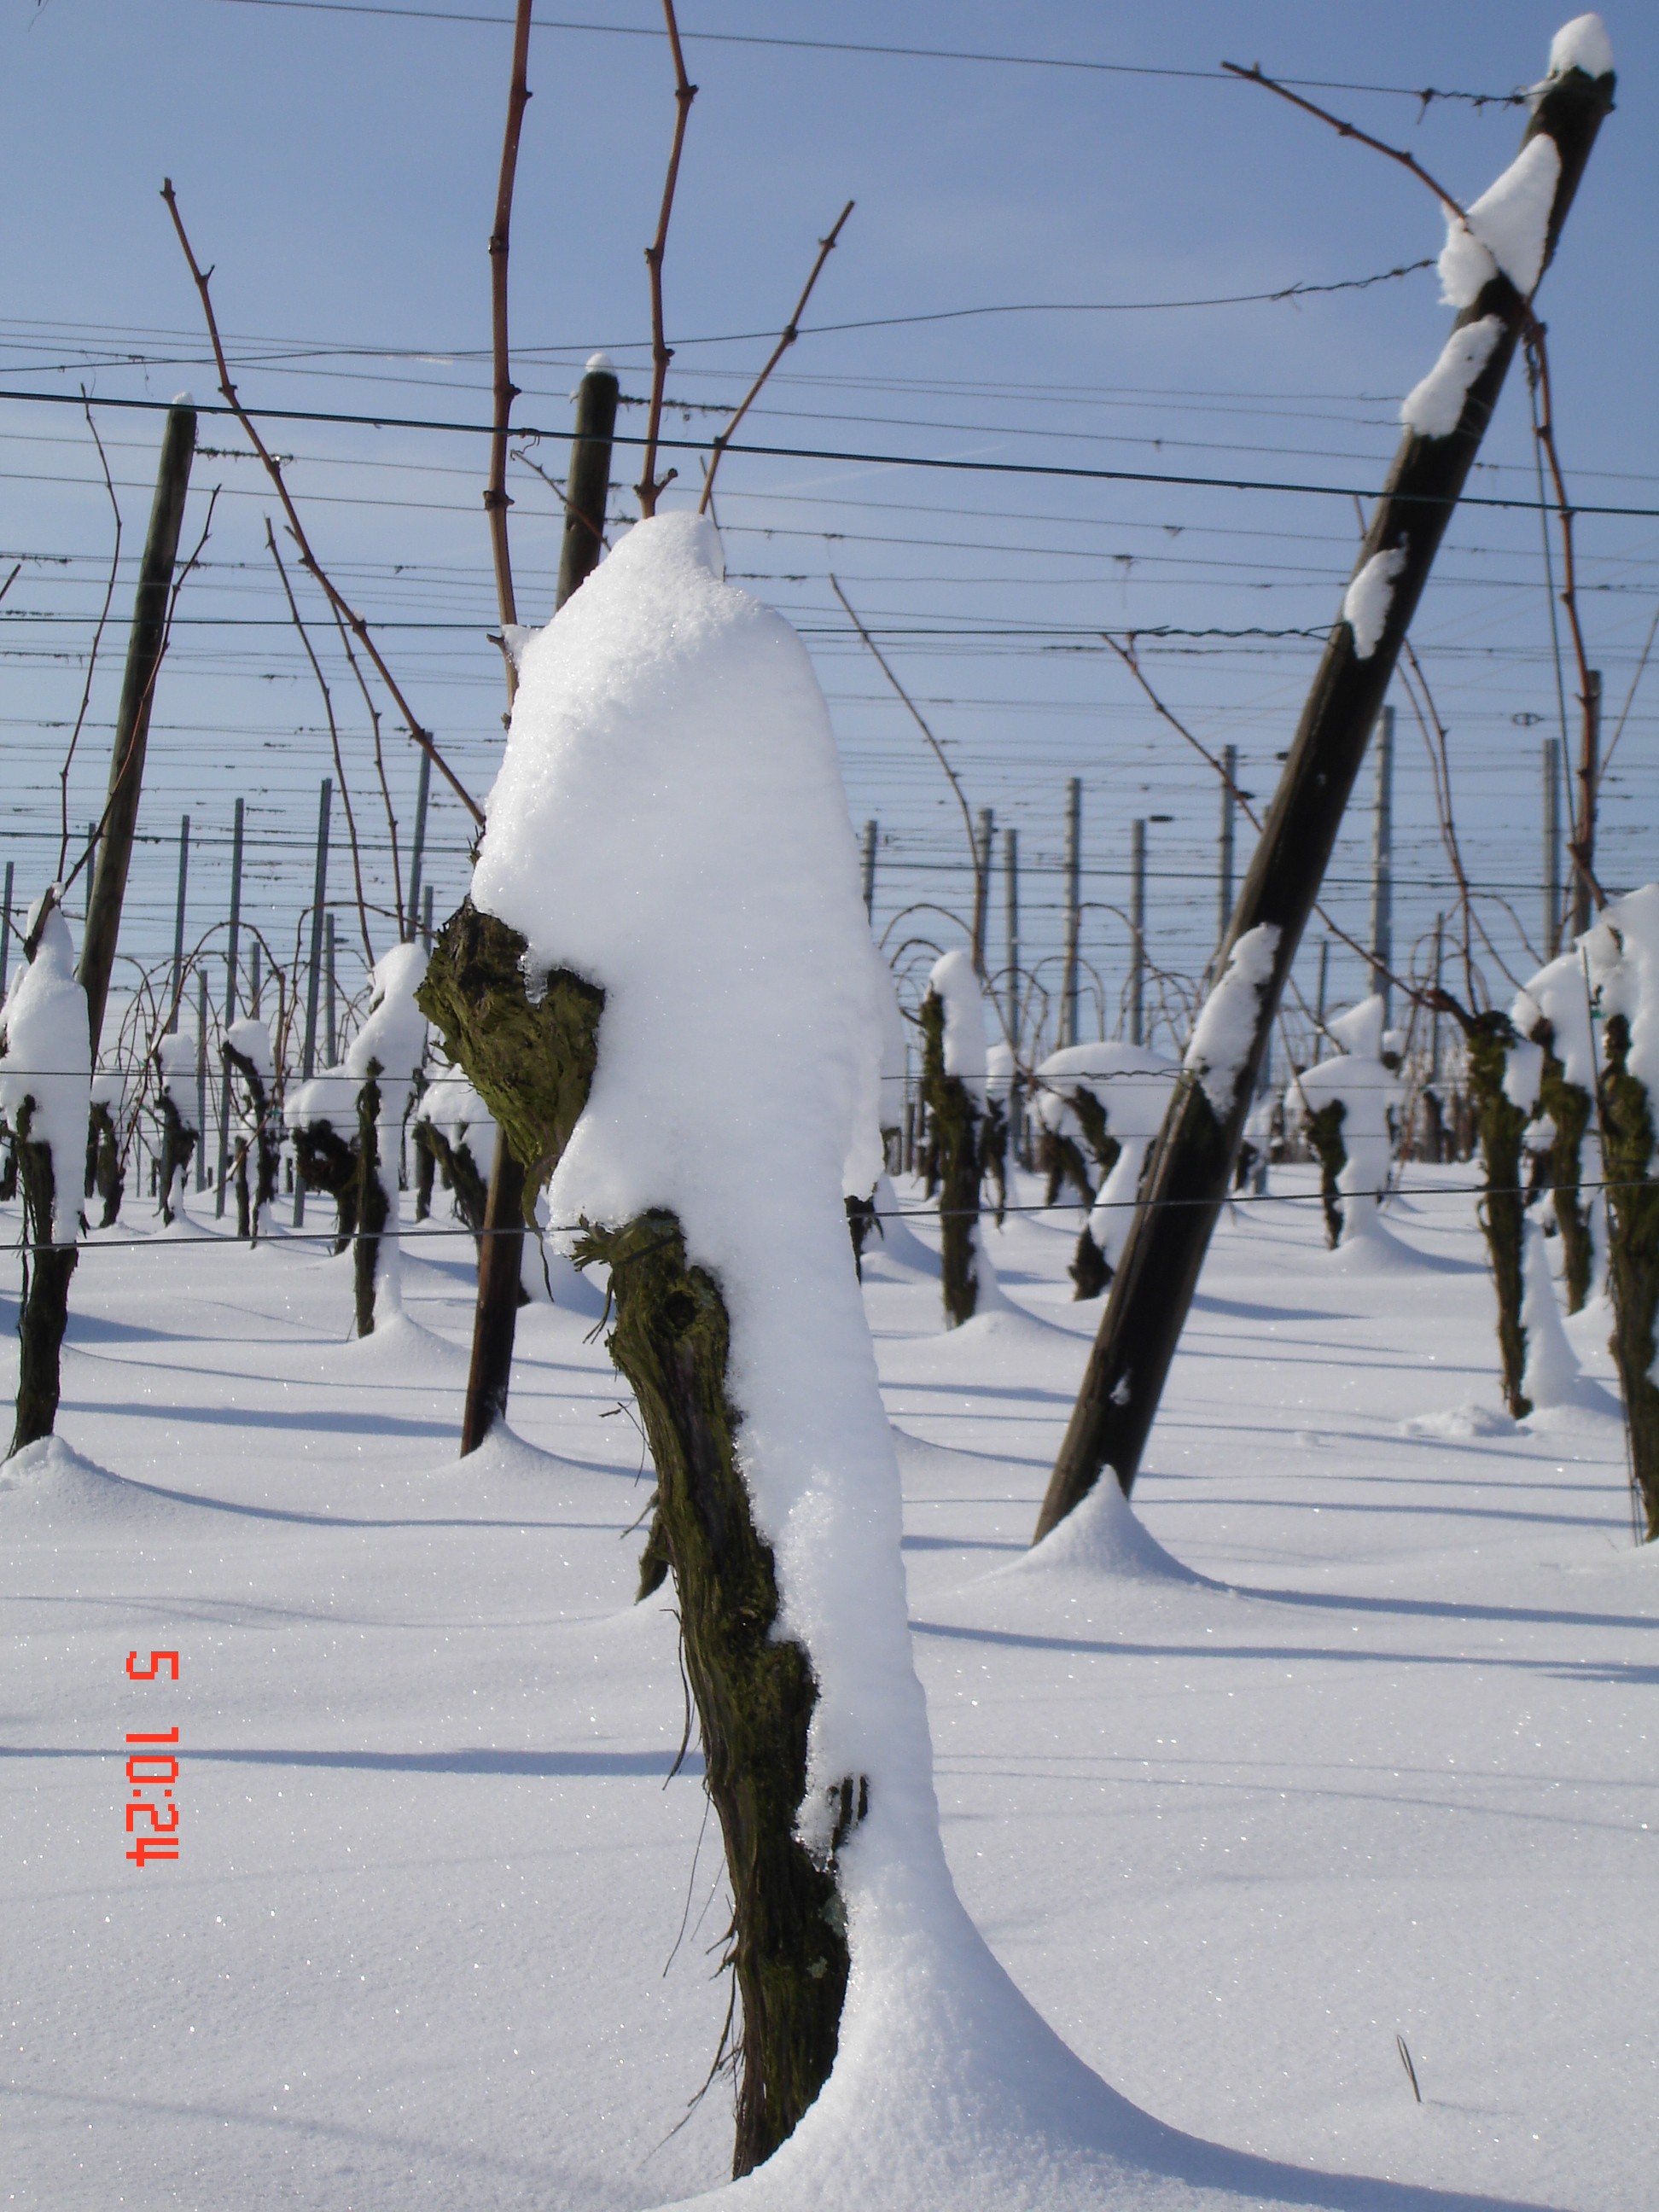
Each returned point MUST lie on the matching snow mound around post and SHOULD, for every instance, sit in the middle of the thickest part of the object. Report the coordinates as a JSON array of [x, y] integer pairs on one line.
[[45, 1064], [1101, 1539], [50, 1486], [667, 722]]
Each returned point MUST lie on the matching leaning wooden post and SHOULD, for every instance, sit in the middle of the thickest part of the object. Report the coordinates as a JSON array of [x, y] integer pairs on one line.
[[1193, 1165], [494, 1320], [127, 770]]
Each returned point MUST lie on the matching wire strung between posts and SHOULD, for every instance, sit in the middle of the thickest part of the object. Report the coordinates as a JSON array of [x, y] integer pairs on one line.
[[1077, 473], [164, 1239]]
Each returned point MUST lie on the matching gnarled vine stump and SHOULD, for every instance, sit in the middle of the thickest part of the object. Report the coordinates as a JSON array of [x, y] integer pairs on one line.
[[530, 1055]]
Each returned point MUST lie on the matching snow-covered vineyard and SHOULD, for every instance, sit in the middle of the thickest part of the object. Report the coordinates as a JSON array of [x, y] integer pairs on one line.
[[662, 1520]]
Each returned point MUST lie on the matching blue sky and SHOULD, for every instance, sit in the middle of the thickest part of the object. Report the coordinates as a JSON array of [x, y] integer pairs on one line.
[[339, 170]]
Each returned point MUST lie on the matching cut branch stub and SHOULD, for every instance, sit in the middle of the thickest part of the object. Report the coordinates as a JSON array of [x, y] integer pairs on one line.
[[531, 1062]]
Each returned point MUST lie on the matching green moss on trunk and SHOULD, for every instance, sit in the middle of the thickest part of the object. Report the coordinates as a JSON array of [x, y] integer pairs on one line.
[[1569, 1105], [755, 1691], [1487, 1039], [1627, 1139], [953, 1151], [532, 1061]]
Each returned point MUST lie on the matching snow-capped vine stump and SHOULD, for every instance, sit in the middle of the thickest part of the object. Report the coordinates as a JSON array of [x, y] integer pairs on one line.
[[1628, 1143], [374, 1208], [532, 1059], [262, 1140], [104, 1178], [43, 1318], [953, 1155], [1569, 1107], [1489, 1040], [178, 1150], [46, 1099], [1323, 1130], [329, 1163]]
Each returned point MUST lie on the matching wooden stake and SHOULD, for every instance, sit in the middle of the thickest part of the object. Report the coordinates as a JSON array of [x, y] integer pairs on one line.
[[126, 772], [230, 1004], [1193, 1164], [495, 1319]]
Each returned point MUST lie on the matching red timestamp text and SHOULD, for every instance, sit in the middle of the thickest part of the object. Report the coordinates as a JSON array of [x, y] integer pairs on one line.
[[152, 1770]]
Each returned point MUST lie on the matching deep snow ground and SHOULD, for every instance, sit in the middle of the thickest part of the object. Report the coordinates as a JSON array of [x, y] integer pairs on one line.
[[1384, 1763]]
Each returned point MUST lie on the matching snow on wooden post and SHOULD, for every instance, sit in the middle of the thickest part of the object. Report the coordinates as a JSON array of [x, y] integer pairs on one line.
[[1491, 267], [127, 770], [495, 1320]]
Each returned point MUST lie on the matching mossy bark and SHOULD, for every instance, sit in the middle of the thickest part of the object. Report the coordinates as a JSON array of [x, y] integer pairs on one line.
[[953, 1152], [178, 1150], [43, 1316], [1487, 1039], [994, 1156], [1632, 1195], [532, 1061], [1569, 1105], [425, 1168], [754, 1692], [1325, 1135]]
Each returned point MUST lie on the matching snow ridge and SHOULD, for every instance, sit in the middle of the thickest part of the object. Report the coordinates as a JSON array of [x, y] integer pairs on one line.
[[1434, 407], [1365, 604]]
